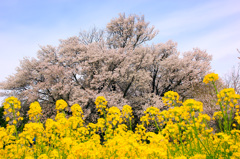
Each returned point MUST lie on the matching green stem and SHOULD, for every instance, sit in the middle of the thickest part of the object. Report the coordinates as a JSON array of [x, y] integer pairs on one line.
[[221, 106], [14, 119], [226, 118], [230, 119], [130, 123], [196, 134], [104, 114], [179, 127], [215, 87], [195, 131], [220, 124], [174, 103], [156, 124]]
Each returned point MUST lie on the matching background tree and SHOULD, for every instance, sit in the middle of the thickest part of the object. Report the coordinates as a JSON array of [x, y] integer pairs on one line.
[[114, 63], [207, 95], [232, 79]]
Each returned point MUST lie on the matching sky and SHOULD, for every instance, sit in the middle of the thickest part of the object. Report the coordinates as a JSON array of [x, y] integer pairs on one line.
[[211, 25]]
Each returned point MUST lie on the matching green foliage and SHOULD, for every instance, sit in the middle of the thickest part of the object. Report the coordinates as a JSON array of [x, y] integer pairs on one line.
[[3, 122]]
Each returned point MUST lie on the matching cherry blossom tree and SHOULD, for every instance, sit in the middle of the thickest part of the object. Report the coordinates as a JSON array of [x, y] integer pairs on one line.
[[113, 63]]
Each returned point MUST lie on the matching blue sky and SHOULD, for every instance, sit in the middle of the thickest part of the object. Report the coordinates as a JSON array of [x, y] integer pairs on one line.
[[211, 25]]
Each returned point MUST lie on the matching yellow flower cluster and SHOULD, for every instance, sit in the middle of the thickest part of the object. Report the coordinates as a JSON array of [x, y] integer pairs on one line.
[[171, 98], [127, 111], [181, 132], [127, 115], [152, 111], [228, 101], [11, 107], [212, 77], [191, 104], [150, 115], [101, 124], [12, 102], [35, 111], [61, 104], [76, 110], [114, 116], [228, 97], [71, 138], [101, 104]]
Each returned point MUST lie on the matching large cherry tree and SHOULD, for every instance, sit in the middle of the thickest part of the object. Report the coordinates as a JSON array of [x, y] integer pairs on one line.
[[115, 63]]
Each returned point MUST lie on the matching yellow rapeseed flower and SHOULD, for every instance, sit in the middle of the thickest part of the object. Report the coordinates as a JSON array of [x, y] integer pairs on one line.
[[101, 104], [114, 115], [10, 110], [152, 111], [76, 110], [171, 98], [14, 122], [101, 101], [193, 104], [20, 118], [127, 111], [43, 156], [35, 110], [212, 77], [61, 104]]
